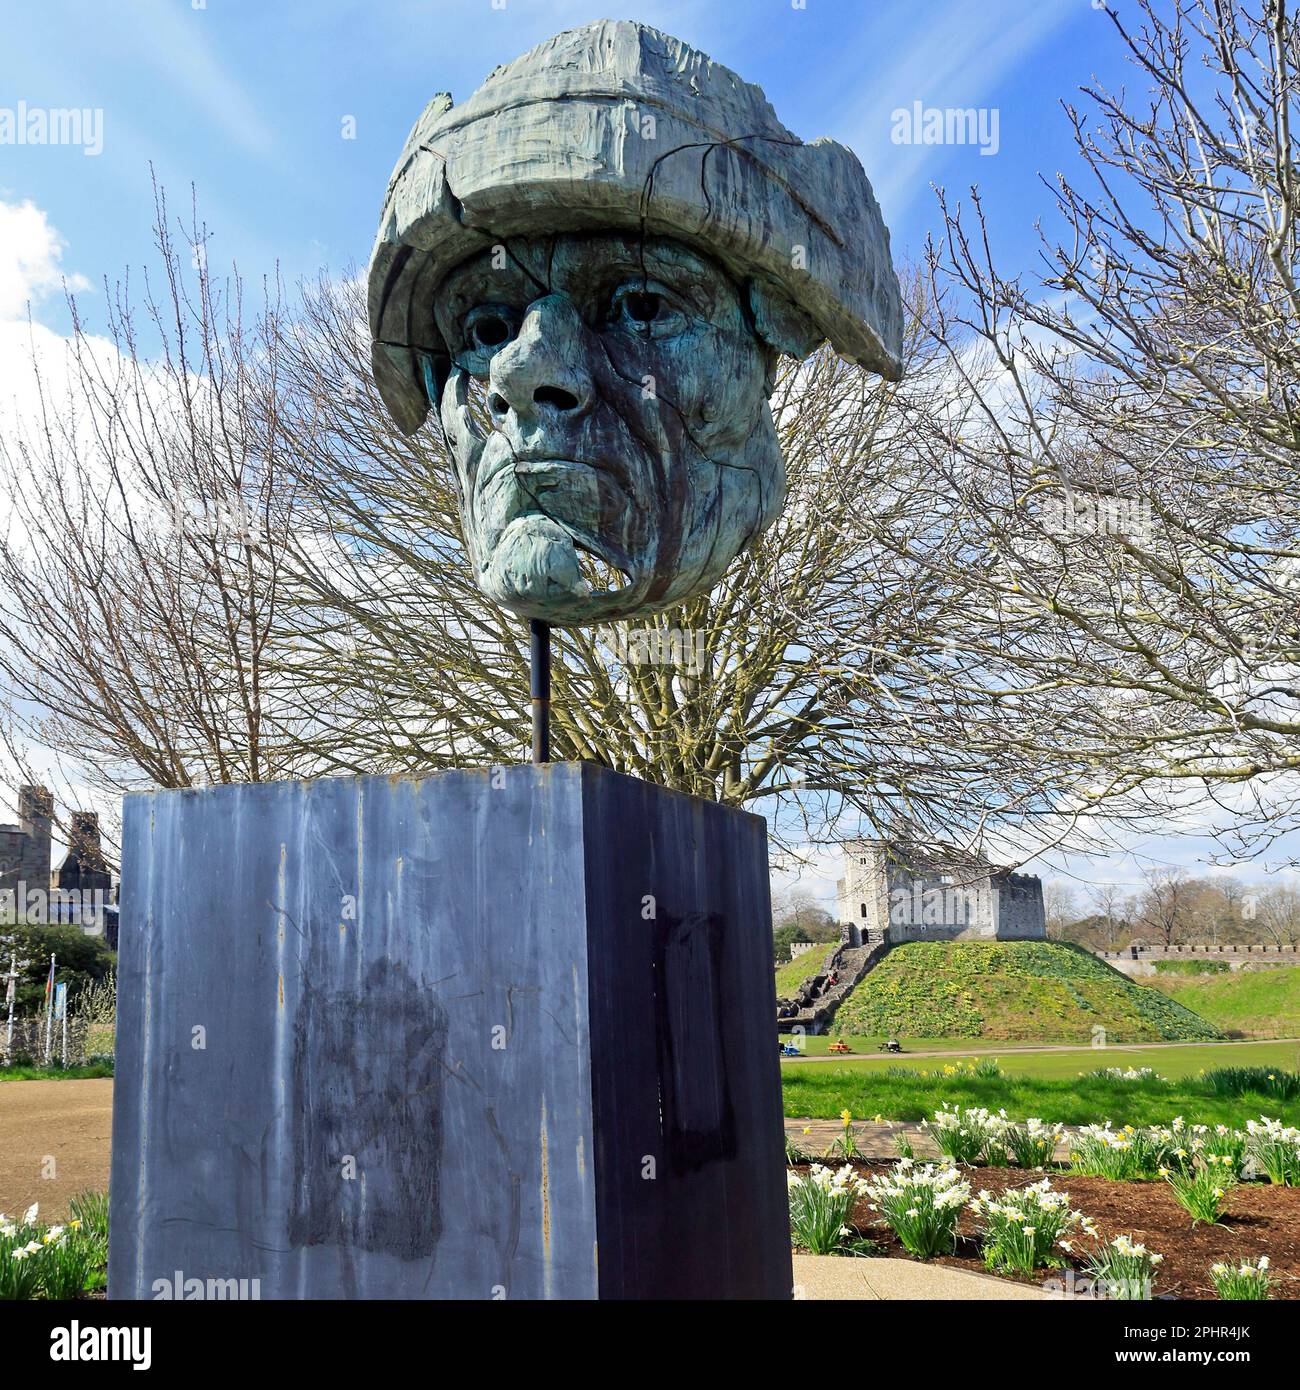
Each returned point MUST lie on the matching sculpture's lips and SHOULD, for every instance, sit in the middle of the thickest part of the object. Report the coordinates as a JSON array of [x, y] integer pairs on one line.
[[525, 467], [532, 467]]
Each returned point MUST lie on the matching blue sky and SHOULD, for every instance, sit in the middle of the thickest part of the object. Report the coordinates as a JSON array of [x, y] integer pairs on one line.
[[248, 100]]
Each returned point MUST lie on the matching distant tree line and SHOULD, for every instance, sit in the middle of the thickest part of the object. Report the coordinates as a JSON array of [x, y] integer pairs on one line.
[[1174, 908]]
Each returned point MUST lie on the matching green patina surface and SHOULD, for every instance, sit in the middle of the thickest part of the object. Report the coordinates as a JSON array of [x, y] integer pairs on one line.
[[587, 272]]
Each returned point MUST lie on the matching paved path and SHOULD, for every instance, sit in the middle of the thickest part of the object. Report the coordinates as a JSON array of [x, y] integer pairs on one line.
[[843, 1277], [988, 1048], [54, 1142], [874, 1140]]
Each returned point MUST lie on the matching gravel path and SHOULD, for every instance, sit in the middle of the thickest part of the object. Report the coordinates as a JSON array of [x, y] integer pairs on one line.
[[54, 1142]]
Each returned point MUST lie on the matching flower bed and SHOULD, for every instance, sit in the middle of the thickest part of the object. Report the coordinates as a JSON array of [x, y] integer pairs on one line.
[[920, 1206], [63, 1261], [1262, 1220]]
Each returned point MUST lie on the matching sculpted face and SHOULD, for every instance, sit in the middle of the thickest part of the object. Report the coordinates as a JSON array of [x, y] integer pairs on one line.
[[625, 452]]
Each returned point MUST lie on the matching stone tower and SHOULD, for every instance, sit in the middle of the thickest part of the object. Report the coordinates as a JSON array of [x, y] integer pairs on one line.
[[25, 847]]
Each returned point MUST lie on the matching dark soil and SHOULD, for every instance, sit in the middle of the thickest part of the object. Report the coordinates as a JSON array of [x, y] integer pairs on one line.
[[1260, 1220]]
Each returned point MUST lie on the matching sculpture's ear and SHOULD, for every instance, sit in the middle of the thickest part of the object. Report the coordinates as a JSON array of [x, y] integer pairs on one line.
[[780, 322], [435, 368]]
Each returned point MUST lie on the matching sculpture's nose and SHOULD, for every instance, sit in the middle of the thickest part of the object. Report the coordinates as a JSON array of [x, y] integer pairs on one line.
[[543, 374]]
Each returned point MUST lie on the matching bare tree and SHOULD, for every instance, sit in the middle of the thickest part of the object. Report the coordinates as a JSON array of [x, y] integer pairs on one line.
[[1164, 908], [1060, 907], [141, 560], [826, 682], [1112, 910], [799, 907], [269, 581], [1277, 915], [1127, 460]]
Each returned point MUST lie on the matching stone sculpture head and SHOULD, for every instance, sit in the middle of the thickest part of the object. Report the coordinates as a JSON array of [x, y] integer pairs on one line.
[[617, 240]]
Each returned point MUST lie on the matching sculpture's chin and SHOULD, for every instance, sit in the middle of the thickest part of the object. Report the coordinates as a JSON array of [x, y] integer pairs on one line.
[[540, 569]]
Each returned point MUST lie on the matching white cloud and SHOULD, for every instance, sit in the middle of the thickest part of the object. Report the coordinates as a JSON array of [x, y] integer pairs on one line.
[[43, 372], [31, 274], [30, 255], [812, 869]]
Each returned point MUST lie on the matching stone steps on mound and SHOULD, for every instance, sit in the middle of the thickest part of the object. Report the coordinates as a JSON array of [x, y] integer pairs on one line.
[[817, 1004]]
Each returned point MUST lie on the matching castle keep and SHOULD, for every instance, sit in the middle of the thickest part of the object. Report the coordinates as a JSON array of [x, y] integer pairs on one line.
[[910, 893]]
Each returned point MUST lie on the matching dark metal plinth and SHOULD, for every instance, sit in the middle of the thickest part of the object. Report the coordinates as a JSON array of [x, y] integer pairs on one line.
[[483, 1034]]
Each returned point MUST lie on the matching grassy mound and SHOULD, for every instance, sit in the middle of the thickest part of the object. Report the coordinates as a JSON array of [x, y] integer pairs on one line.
[[1042, 990], [1253, 1002]]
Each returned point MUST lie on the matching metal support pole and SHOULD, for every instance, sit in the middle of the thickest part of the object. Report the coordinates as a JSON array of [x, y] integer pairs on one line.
[[539, 644]]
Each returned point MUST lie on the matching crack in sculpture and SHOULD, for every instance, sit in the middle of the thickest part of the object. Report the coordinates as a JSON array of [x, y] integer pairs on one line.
[[624, 311]]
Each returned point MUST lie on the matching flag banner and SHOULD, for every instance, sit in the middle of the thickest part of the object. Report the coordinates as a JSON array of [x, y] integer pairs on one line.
[[60, 1000]]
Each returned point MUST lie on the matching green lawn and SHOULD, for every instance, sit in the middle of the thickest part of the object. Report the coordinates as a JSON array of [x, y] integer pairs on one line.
[[1044, 1084], [1238, 1001]]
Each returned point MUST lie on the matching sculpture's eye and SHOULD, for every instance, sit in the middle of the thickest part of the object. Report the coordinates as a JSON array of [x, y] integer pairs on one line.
[[646, 309], [487, 329], [490, 331], [641, 307]]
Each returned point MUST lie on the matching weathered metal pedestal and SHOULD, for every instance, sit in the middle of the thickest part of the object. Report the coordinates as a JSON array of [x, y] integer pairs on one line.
[[478, 1035]]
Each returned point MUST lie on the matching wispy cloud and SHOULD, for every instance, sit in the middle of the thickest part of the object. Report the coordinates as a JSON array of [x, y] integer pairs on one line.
[[956, 58], [178, 43]]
